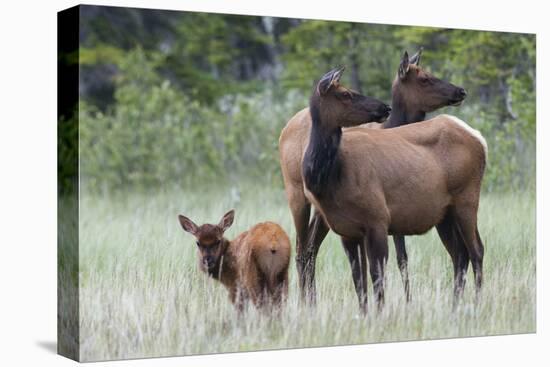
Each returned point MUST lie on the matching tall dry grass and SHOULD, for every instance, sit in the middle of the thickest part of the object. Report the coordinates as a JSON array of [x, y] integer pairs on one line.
[[142, 294]]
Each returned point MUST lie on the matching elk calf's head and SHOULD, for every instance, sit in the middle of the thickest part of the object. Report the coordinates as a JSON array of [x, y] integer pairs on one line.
[[419, 90], [211, 243], [339, 106]]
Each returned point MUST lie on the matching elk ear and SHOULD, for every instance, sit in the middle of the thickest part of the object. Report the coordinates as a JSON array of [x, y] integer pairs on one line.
[[330, 79], [187, 224], [338, 74], [227, 220], [404, 66], [415, 59]]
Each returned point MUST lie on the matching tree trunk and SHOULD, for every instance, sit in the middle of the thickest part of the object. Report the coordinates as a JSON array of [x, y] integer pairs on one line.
[[354, 59]]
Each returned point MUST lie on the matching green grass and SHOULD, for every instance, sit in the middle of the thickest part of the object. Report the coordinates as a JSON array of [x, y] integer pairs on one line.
[[142, 294]]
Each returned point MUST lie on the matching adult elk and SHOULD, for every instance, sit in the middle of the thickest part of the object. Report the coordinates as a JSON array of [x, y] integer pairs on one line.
[[414, 93], [402, 181]]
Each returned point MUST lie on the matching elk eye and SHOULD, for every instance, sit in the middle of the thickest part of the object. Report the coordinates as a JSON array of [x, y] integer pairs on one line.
[[198, 244], [346, 95]]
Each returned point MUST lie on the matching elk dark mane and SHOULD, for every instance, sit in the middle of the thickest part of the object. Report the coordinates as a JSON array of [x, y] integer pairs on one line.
[[321, 165]]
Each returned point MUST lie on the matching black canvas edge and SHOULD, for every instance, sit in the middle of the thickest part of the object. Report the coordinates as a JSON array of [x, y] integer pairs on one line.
[[68, 320]]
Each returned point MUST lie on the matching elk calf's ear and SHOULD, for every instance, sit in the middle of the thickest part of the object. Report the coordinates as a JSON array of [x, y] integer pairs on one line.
[[187, 224], [404, 66], [227, 220]]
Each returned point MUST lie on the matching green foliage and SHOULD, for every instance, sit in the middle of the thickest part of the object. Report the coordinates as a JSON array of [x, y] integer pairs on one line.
[[67, 154], [211, 54], [511, 161], [100, 54], [200, 98], [485, 63], [316, 46], [151, 129], [157, 135]]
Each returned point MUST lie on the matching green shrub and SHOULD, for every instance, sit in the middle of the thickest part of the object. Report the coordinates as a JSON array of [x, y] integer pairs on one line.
[[511, 143], [157, 136]]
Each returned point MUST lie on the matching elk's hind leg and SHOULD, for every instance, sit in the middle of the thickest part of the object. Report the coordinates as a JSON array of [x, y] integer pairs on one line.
[[377, 252], [466, 216], [356, 253], [479, 274], [300, 209], [278, 289], [255, 284], [402, 262], [448, 233], [240, 297]]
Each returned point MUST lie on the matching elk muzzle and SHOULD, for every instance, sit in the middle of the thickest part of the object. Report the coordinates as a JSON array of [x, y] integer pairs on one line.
[[209, 262], [459, 96]]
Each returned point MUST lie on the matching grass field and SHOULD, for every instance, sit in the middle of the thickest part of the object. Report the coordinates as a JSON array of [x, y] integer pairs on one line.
[[142, 294]]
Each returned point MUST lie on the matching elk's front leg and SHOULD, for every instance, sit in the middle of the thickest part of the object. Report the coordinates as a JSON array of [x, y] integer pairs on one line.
[[355, 251], [376, 244], [300, 210], [402, 262], [317, 231]]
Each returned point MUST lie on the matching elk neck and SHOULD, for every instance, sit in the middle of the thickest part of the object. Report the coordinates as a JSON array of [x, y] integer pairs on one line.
[[401, 114], [321, 166]]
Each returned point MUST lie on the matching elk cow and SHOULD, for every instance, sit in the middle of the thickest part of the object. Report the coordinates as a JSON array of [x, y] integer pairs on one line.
[[252, 266], [369, 183], [415, 92]]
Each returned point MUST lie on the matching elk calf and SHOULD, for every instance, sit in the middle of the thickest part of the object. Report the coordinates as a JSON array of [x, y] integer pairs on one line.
[[252, 266]]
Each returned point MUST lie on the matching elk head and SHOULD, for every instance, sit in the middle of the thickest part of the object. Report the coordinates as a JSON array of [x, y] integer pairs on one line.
[[419, 90], [211, 243], [338, 106]]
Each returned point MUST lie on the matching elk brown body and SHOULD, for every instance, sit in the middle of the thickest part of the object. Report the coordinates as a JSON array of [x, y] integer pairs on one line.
[[414, 93], [403, 181], [253, 266]]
